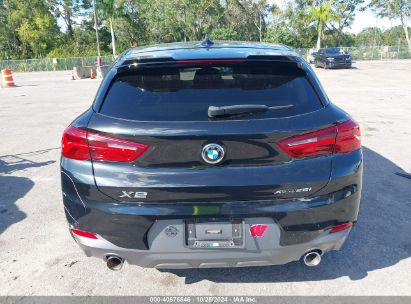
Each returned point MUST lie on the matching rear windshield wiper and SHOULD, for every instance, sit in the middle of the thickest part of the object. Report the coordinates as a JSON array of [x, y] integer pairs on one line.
[[225, 111]]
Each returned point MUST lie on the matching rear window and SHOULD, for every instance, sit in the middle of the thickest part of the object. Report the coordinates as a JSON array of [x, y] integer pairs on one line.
[[185, 93]]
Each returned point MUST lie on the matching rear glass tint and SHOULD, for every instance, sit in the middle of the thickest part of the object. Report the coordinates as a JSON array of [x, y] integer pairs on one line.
[[185, 93]]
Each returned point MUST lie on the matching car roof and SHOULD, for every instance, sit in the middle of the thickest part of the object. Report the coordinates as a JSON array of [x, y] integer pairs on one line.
[[210, 50]]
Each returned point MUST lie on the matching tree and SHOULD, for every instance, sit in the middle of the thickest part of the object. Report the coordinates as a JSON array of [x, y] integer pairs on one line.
[[5, 33], [370, 36], [345, 11], [282, 34], [294, 20], [31, 29], [332, 39], [249, 18], [81, 43], [394, 9], [109, 11], [224, 33], [259, 12], [321, 12], [394, 36], [181, 20], [69, 11], [132, 24]]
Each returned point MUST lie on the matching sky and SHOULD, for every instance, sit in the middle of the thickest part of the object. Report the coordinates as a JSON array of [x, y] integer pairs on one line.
[[368, 19], [362, 19]]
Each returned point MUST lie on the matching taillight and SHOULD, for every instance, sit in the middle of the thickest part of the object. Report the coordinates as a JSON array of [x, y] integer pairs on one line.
[[74, 144], [82, 145], [343, 138], [107, 148], [348, 137], [316, 143]]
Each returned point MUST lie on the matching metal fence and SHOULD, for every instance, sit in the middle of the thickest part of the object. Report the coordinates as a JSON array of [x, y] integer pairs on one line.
[[51, 64], [60, 64], [371, 52]]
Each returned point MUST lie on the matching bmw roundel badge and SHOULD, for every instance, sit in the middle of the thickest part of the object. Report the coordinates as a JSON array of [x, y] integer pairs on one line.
[[213, 154]]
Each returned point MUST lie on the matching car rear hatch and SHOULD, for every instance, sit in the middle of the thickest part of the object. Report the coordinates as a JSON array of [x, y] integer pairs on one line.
[[165, 111]]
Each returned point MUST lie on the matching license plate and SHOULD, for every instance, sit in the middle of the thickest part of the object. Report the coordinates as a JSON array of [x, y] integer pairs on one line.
[[215, 234]]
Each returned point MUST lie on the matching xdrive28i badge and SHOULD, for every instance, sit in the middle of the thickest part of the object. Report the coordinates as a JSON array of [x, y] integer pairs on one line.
[[213, 153]]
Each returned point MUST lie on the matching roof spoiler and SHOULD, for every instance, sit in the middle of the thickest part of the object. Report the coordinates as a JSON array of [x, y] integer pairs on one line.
[[159, 61]]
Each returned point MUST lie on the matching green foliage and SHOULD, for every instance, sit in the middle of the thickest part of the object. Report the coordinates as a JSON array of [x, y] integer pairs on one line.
[[30, 28], [248, 18], [345, 11], [291, 27], [68, 10], [81, 43], [332, 38], [374, 36], [224, 33], [395, 36], [321, 13], [369, 36], [282, 35], [394, 9], [65, 28]]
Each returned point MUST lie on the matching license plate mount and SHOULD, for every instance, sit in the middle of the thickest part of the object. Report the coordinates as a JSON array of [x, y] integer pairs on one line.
[[215, 234]]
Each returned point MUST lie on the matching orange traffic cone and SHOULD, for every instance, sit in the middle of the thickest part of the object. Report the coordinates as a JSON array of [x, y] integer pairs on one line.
[[7, 76], [92, 74]]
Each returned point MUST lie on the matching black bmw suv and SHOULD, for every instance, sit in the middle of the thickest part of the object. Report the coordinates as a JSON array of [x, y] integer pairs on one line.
[[211, 155], [329, 58]]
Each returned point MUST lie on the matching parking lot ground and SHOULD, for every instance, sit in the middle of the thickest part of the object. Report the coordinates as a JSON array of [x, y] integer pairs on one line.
[[38, 256]]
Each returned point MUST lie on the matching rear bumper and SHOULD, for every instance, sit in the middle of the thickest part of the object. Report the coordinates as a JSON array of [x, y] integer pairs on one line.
[[342, 64], [137, 233], [300, 221], [171, 253], [299, 225]]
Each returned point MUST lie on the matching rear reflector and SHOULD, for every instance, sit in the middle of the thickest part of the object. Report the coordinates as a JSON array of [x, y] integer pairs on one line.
[[342, 138], [84, 234], [341, 227], [83, 145]]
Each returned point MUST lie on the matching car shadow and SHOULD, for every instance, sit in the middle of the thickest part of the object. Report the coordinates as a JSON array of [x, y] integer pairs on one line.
[[13, 188], [379, 240]]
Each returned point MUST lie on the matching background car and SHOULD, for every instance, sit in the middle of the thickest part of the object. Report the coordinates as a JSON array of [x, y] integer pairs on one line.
[[332, 58], [312, 56]]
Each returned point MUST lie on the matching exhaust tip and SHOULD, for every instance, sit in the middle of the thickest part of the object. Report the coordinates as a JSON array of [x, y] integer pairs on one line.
[[114, 262], [312, 258]]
